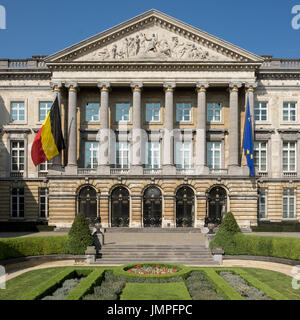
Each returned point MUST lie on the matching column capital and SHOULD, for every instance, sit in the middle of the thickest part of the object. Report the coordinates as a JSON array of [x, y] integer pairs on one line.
[[136, 86], [105, 86], [234, 86], [169, 86], [56, 86], [250, 86], [202, 86], [72, 86]]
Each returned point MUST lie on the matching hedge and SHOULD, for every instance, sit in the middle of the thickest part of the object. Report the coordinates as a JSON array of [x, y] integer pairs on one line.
[[87, 285], [50, 285], [32, 246], [273, 294], [222, 286], [279, 247]]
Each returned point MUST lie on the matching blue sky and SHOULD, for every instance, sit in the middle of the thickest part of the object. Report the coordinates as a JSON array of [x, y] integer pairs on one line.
[[47, 26]]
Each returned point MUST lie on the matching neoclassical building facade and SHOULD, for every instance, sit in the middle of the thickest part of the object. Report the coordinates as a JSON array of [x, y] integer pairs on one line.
[[153, 114]]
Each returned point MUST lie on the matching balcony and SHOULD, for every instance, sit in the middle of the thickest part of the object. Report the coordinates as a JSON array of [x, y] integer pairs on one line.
[[213, 171], [186, 171], [152, 171], [17, 174], [289, 174], [86, 171], [119, 171]]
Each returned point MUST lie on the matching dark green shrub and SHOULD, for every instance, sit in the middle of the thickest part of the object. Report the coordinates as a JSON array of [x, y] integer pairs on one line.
[[225, 235], [79, 236], [229, 224], [200, 288], [110, 288], [32, 246]]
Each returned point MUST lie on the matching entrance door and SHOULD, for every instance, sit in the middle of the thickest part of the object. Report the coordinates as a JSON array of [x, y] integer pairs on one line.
[[120, 207], [217, 205], [152, 208], [87, 202], [185, 208]]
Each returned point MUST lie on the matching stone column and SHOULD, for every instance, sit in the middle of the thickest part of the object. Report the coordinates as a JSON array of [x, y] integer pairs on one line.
[[56, 162], [168, 139], [104, 136], [201, 167], [136, 167], [234, 167], [250, 94], [72, 129]]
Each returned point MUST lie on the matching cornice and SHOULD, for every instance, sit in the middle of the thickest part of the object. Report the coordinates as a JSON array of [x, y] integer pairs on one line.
[[275, 75], [20, 75], [151, 66]]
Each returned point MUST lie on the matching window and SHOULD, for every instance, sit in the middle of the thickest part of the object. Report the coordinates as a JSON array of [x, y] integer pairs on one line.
[[289, 111], [92, 112], [122, 112], [262, 204], [183, 112], [214, 155], [17, 111], [91, 154], [17, 156], [43, 203], [289, 157], [183, 155], [214, 112], [288, 203], [17, 203], [44, 109], [260, 156], [122, 155], [43, 167], [152, 112], [261, 111], [153, 155]]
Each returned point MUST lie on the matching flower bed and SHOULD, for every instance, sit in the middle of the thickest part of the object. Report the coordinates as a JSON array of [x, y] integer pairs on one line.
[[242, 287], [64, 290], [200, 288], [155, 270]]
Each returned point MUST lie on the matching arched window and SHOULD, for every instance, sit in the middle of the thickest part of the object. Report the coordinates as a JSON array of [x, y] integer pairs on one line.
[[87, 202], [185, 207], [152, 207], [216, 205], [120, 204]]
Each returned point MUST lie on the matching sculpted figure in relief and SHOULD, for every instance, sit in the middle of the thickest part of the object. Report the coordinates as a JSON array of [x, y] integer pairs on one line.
[[143, 46]]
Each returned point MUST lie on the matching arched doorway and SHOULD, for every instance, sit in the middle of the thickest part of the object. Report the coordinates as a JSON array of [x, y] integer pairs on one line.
[[216, 205], [120, 207], [87, 202], [152, 207], [185, 207]]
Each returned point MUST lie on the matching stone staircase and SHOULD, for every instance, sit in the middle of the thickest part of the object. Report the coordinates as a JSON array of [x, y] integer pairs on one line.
[[118, 254]]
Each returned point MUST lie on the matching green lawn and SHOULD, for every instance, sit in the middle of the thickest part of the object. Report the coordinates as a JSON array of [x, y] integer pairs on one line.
[[277, 281], [155, 291], [16, 287]]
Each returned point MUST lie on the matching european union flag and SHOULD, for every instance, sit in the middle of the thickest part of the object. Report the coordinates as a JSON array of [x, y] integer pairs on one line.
[[248, 142]]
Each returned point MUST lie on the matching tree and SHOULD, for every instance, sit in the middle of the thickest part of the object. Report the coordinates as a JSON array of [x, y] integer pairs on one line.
[[79, 236]]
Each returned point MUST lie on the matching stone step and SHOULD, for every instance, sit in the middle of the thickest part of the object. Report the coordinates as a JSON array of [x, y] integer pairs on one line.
[[196, 262], [154, 230]]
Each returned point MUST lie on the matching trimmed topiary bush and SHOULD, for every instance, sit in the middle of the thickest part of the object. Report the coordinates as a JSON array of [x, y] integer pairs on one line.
[[225, 235], [79, 236]]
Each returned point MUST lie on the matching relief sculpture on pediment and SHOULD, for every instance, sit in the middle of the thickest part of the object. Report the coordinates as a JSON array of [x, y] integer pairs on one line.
[[154, 46]]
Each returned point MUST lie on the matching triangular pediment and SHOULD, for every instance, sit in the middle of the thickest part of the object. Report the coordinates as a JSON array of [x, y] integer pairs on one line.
[[153, 36]]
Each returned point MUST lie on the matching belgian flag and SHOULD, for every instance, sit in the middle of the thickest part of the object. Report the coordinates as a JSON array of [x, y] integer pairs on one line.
[[49, 141]]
